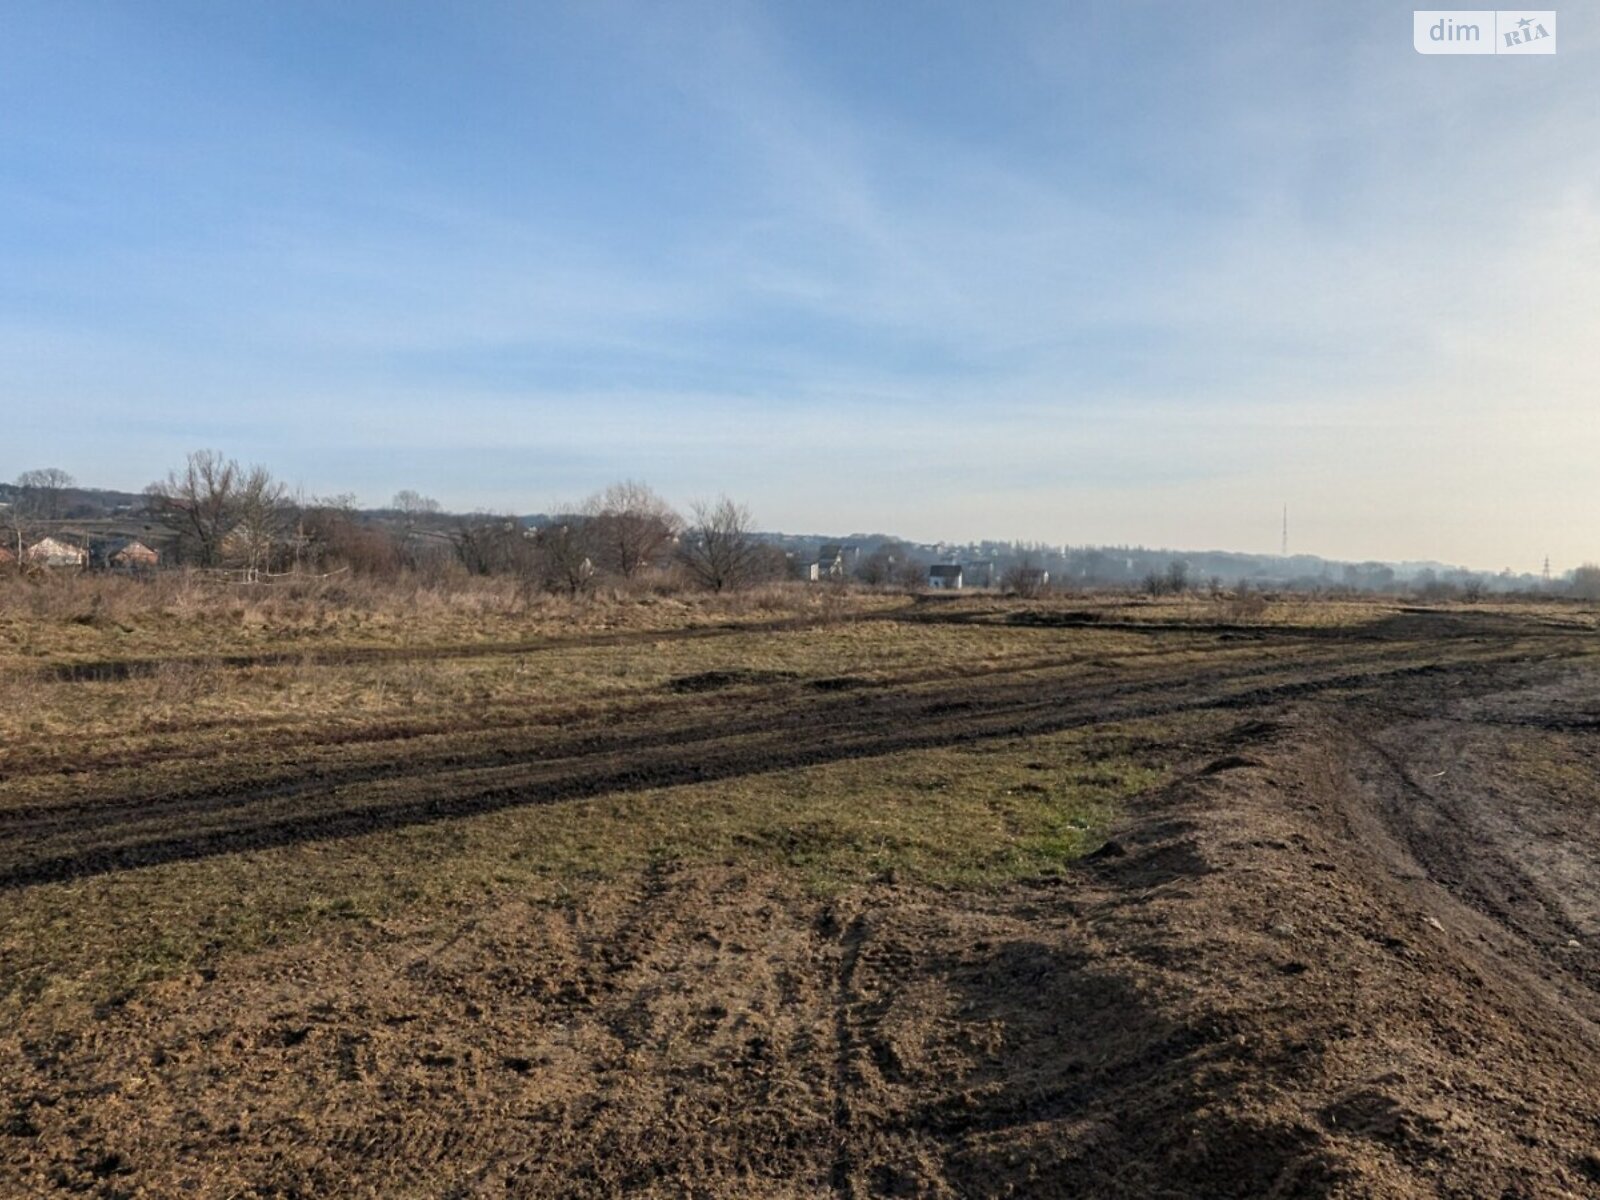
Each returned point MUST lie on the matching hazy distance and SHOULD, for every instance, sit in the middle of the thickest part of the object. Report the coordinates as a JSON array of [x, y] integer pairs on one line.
[[1097, 274]]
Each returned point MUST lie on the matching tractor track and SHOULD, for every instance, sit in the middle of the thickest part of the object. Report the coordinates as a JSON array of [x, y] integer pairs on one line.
[[1350, 950], [77, 839]]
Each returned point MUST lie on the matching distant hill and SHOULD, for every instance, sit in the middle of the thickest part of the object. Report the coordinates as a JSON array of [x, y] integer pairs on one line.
[[88, 503]]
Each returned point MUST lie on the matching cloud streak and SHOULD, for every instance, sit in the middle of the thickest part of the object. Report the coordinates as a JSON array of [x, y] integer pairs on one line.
[[1116, 273]]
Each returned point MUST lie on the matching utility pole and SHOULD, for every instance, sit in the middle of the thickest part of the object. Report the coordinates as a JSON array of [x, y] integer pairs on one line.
[[1547, 568], [1285, 531]]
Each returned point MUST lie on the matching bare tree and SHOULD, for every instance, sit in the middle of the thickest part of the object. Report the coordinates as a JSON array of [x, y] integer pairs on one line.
[[17, 529], [474, 542], [1177, 577], [1586, 582], [876, 569], [719, 548], [1025, 578], [200, 498], [223, 511], [262, 518], [44, 492], [882, 565], [564, 561], [330, 531], [413, 504], [911, 574], [496, 545], [629, 527]]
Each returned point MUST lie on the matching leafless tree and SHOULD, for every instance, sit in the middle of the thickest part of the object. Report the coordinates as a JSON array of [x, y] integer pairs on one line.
[[1174, 581], [413, 504], [474, 544], [911, 574], [223, 511], [201, 499], [564, 560], [629, 527], [881, 566], [16, 527], [719, 549], [496, 545], [44, 492], [875, 570], [1025, 578], [329, 532], [262, 518], [1586, 582]]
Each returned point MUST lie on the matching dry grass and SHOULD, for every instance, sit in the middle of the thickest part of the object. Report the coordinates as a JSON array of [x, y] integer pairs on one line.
[[78, 617], [189, 719], [971, 816], [348, 676]]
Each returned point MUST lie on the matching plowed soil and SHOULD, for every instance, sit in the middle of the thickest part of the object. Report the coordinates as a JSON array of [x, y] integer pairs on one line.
[[1351, 951]]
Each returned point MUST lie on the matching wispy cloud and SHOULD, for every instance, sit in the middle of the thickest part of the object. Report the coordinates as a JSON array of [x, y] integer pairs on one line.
[[1116, 272]]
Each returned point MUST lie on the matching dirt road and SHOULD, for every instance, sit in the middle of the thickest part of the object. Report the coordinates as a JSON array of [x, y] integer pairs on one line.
[[1351, 952]]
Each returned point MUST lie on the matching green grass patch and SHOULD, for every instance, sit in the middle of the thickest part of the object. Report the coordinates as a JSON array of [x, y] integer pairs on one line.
[[972, 816]]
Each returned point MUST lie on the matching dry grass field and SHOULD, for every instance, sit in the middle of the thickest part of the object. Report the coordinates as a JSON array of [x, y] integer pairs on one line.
[[325, 890]]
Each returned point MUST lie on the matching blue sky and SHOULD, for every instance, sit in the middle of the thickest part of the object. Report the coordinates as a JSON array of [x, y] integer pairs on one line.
[[1092, 272]]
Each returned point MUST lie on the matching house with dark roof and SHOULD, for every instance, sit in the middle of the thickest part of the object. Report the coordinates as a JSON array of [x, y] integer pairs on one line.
[[945, 576]]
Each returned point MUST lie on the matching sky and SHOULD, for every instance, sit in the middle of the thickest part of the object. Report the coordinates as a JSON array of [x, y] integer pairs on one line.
[[1075, 273]]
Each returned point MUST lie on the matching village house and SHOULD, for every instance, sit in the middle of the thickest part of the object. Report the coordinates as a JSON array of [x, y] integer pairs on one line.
[[134, 555], [49, 552], [945, 576]]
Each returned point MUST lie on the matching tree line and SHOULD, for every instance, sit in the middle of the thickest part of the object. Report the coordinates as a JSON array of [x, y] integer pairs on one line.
[[224, 515]]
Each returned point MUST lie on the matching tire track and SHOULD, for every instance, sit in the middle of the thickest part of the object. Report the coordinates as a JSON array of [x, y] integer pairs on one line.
[[101, 839]]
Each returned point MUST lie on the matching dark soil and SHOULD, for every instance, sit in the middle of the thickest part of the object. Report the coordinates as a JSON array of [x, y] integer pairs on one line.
[[1351, 953]]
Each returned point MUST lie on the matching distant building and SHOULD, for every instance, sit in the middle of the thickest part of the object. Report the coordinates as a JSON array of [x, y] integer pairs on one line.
[[836, 560], [48, 552], [134, 555], [945, 577]]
